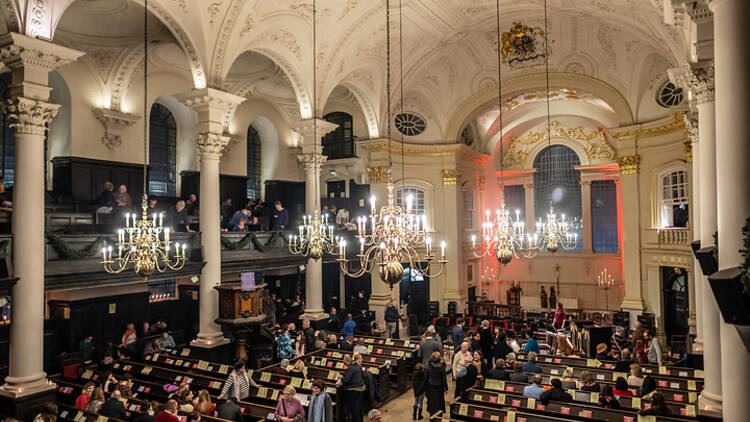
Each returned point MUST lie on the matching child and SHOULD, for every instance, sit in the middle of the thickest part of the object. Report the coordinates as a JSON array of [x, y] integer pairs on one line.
[[418, 382]]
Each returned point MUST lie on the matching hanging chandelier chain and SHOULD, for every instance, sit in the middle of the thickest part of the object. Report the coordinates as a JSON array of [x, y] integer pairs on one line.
[[546, 63], [145, 96], [315, 109], [500, 101], [388, 82], [401, 88]]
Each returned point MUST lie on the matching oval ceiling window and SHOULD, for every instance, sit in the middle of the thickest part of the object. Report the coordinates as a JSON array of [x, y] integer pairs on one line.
[[410, 124]]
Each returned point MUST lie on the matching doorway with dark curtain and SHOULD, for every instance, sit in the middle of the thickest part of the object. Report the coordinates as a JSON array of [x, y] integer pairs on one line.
[[676, 304], [414, 290]]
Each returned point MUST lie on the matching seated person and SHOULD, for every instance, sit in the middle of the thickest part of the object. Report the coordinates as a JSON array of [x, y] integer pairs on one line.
[[360, 347], [177, 218], [122, 197], [243, 214], [530, 365], [517, 375], [623, 364], [166, 341], [254, 225], [151, 347], [621, 388], [648, 387], [281, 369], [588, 383], [601, 352], [498, 372], [531, 344], [534, 390], [607, 398], [242, 226], [568, 380], [556, 393], [658, 407], [636, 376], [299, 370], [106, 201]]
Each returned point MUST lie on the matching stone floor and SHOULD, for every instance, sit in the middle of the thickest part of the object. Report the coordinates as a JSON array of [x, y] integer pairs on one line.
[[400, 408]]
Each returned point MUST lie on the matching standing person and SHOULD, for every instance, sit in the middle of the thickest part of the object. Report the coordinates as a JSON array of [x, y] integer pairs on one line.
[[83, 399], [552, 297], [461, 360], [543, 297], [436, 385], [501, 344], [418, 386], [289, 409], [333, 320], [309, 336], [654, 354], [284, 349], [238, 383], [391, 318], [177, 218], [427, 347], [279, 217], [457, 334], [226, 212], [128, 341], [321, 407], [229, 410], [353, 386], [558, 322], [485, 339], [349, 325], [619, 340]]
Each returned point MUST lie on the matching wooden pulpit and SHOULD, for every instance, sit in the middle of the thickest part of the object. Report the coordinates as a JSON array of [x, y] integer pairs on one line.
[[242, 310]]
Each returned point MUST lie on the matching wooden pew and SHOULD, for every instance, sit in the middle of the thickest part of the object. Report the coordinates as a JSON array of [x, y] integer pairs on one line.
[[649, 369], [400, 368]]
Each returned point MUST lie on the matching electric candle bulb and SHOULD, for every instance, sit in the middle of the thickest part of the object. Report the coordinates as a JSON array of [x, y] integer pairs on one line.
[[442, 249]]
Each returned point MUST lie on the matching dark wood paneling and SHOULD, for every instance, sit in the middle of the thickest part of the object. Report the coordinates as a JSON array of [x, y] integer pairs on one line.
[[291, 195], [234, 187], [83, 178]]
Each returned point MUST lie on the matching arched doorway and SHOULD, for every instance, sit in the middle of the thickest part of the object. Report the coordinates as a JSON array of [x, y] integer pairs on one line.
[[676, 303]]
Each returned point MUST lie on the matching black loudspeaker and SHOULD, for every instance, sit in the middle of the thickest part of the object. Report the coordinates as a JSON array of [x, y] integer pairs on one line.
[[705, 257], [434, 307], [733, 303], [647, 322], [622, 319], [196, 254], [452, 308]]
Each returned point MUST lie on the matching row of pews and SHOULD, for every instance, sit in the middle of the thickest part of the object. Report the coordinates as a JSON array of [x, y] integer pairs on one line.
[[390, 364]]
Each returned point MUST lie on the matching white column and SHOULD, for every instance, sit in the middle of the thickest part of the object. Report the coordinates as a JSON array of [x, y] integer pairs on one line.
[[732, 55], [210, 147], [213, 108], [312, 160], [699, 79], [528, 199], [30, 60], [588, 241], [631, 236]]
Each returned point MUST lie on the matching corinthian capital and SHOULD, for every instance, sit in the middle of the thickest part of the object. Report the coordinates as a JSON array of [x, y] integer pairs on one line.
[[312, 160], [211, 145], [698, 78], [29, 116]]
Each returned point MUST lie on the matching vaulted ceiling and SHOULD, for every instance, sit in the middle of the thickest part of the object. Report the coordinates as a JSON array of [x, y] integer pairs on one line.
[[264, 48]]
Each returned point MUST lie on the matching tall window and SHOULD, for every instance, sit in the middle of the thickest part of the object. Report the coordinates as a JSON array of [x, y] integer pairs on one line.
[[340, 142], [162, 152], [515, 199], [558, 184], [8, 141], [469, 211], [674, 199], [417, 198], [253, 163], [604, 215]]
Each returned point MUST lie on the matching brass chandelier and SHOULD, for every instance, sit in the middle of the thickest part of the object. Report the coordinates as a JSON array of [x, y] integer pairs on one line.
[[503, 237], [555, 231], [396, 234], [315, 234], [143, 244]]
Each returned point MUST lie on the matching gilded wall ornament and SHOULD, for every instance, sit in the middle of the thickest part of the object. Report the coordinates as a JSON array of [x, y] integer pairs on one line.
[[594, 143], [377, 174], [450, 176], [630, 164], [687, 147], [522, 43]]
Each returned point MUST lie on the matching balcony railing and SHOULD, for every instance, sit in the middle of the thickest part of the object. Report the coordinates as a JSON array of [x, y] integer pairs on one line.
[[673, 236]]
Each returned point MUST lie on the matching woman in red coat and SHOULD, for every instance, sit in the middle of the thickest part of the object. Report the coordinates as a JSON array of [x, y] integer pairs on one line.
[[83, 400]]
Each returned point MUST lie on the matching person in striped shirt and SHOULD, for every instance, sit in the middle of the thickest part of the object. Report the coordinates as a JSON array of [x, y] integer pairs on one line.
[[238, 383]]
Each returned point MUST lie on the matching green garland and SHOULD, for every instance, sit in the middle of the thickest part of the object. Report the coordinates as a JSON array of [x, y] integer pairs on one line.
[[744, 252], [251, 237], [64, 251]]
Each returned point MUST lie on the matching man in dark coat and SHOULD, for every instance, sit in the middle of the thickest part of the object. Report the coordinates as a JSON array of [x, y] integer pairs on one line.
[[229, 410], [426, 347], [113, 408], [556, 393], [309, 335]]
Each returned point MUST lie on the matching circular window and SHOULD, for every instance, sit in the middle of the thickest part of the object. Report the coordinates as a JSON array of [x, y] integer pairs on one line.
[[410, 124], [467, 135], [669, 95]]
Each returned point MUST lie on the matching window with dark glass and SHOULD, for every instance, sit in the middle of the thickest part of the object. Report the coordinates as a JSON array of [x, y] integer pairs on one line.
[[558, 184], [253, 163], [340, 142], [515, 199], [604, 215], [162, 157], [8, 134]]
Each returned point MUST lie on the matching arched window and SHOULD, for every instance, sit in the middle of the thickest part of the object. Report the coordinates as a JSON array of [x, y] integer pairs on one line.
[[674, 198], [469, 210], [558, 184], [253, 163], [162, 156], [604, 216], [340, 142], [417, 201], [515, 200], [8, 141]]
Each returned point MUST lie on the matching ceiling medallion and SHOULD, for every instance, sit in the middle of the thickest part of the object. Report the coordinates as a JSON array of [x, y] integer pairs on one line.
[[522, 44]]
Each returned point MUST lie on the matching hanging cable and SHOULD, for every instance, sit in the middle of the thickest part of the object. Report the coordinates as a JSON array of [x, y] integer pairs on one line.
[[145, 96], [500, 104], [401, 87], [546, 62], [388, 84]]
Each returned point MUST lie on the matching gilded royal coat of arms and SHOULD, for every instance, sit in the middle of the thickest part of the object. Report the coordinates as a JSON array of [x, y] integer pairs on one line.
[[522, 44]]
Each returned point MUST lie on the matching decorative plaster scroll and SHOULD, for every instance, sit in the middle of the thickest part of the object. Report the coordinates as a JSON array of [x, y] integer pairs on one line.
[[676, 124], [630, 164], [29, 116], [247, 26], [211, 145], [234, 140], [687, 148], [594, 143], [10, 12], [303, 99], [286, 39], [378, 174], [115, 122], [222, 41], [118, 86], [213, 10], [450, 176], [16, 56]]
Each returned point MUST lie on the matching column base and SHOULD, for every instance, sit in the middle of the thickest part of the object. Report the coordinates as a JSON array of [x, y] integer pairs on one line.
[[25, 399], [209, 340], [709, 405]]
